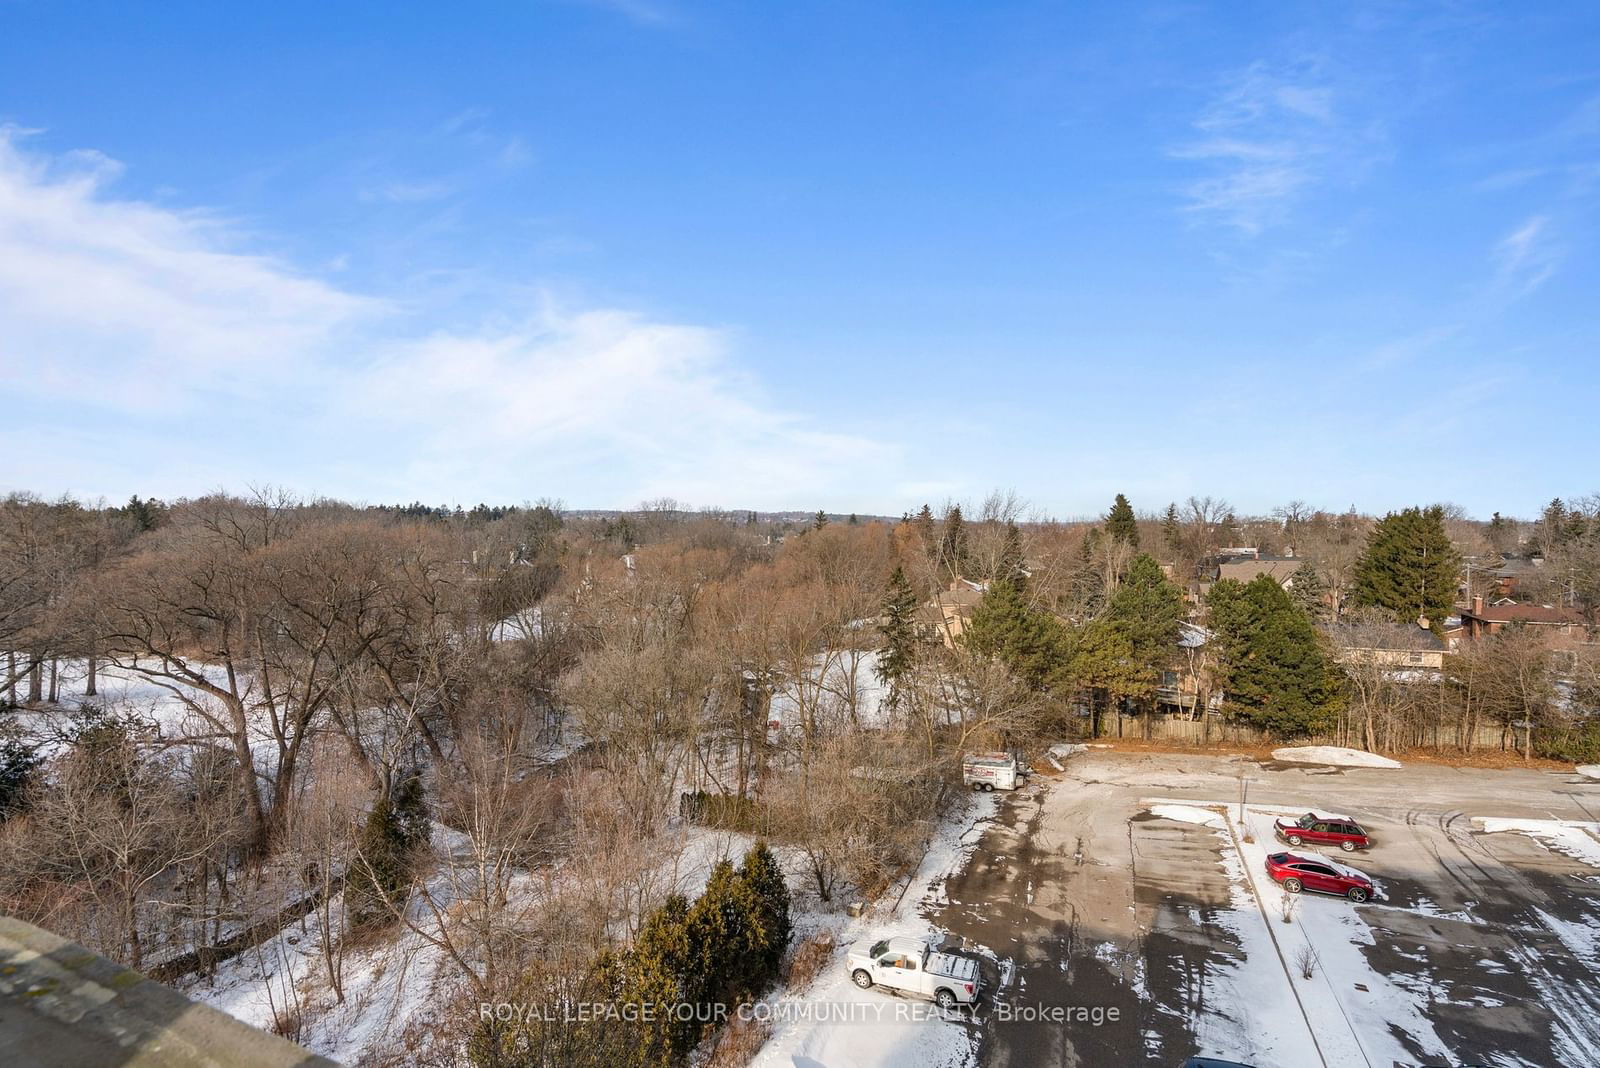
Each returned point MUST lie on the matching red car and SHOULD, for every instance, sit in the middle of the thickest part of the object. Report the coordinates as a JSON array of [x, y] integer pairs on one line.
[[1321, 829], [1309, 871]]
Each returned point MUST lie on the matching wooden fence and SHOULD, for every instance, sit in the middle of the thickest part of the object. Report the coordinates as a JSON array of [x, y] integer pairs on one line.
[[1221, 730]]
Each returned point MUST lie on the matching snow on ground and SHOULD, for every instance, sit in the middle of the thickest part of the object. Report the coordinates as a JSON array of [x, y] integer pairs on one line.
[[1190, 814], [1354, 1012], [1248, 1007], [404, 980], [1352, 1025], [121, 691], [1580, 841], [835, 682], [832, 1024], [400, 981], [1333, 755]]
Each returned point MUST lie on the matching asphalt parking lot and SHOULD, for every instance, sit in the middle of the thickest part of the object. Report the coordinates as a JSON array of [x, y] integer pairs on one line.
[[1134, 883]]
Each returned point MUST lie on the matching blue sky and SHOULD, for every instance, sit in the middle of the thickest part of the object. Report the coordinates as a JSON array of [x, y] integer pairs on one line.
[[850, 256]]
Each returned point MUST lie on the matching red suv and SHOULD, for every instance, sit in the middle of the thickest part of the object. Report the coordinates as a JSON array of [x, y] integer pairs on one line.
[[1341, 831], [1308, 871]]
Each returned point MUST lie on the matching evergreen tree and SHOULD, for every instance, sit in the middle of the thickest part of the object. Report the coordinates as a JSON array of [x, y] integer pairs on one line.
[[1410, 568], [899, 631], [1553, 526], [1228, 530], [953, 543], [1011, 566], [769, 890], [395, 830], [1273, 667], [925, 530], [820, 521], [1502, 533], [18, 763], [1172, 531], [1309, 592], [1149, 608], [1029, 642], [726, 936], [665, 968], [1121, 523], [1102, 659], [145, 514]]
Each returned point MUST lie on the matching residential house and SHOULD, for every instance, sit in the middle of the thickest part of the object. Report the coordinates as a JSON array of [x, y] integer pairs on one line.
[[1404, 647], [1281, 568], [944, 618], [1187, 674], [1562, 624]]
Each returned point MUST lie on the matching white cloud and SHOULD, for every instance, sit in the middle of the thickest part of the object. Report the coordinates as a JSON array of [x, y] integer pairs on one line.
[[129, 307], [121, 300], [1266, 138]]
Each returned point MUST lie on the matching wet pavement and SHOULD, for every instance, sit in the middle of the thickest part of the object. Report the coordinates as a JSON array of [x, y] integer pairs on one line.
[[1124, 931]]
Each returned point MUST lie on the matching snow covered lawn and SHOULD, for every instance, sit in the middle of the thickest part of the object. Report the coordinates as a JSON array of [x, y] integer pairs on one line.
[[832, 1024]]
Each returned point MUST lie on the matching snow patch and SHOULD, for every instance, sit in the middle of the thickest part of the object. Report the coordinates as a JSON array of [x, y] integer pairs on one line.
[[1189, 814], [1334, 756], [1574, 839]]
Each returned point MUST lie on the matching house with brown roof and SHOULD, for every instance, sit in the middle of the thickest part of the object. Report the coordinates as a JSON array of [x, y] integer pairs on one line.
[[944, 618], [1281, 568], [1398, 646], [1560, 623]]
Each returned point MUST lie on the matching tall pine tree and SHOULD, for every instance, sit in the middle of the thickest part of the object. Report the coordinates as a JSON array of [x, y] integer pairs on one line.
[[1011, 567], [925, 530], [1121, 523], [1272, 664], [1028, 641], [898, 628], [1410, 568], [1172, 531], [953, 543], [1309, 592], [1150, 608]]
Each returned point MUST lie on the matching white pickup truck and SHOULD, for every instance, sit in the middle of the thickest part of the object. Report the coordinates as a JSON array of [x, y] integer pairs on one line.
[[913, 966]]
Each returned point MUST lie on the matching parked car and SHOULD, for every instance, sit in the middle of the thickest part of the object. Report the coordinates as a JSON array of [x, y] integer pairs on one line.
[[1312, 871], [913, 966], [1321, 829], [993, 771]]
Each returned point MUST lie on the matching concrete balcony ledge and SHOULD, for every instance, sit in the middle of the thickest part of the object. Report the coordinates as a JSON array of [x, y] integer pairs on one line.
[[62, 1006]]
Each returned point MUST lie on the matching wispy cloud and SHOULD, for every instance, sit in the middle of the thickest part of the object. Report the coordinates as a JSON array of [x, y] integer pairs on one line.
[[408, 192], [1526, 258], [120, 309], [156, 302], [640, 12], [1266, 138]]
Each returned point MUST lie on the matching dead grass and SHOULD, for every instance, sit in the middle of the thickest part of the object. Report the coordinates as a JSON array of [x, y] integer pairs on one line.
[[738, 1043], [808, 959]]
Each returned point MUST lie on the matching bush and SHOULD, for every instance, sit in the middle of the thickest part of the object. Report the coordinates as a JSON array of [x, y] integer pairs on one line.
[[725, 812], [1579, 744], [18, 763], [386, 855], [725, 948]]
